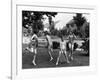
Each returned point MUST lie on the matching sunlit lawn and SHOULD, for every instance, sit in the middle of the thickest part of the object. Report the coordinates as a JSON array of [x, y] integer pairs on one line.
[[42, 59]]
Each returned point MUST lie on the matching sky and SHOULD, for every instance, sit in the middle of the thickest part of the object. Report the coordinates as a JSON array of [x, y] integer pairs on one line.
[[63, 19]]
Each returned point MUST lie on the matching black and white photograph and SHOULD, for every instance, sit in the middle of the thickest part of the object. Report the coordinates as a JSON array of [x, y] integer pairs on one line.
[[52, 40], [55, 39]]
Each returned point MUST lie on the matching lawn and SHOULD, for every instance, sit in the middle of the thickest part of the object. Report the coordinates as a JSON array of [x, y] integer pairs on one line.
[[42, 59]]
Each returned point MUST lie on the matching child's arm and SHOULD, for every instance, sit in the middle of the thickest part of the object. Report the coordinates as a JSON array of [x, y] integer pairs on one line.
[[32, 37]]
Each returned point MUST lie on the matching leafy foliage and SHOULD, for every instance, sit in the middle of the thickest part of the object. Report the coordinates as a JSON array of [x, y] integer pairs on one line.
[[34, 19], [79, 20]]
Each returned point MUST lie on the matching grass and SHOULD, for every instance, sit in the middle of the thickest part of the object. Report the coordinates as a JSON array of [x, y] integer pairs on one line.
[[42, 59]]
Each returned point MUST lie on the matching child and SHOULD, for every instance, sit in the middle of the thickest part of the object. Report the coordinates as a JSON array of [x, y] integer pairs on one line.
[[62, 50], [71, 44], [49, 45], [33, 47]]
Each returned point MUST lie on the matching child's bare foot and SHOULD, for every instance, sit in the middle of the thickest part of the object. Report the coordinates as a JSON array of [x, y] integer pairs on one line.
[[71, 58], [56, 63], [34, 63], [51, 59], [68, 61]]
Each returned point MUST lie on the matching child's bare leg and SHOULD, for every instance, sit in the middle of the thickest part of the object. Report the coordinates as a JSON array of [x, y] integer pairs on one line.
[[66, 55], [58, 57], [50, 50], [71, 53], [51, 58], [34, 57]]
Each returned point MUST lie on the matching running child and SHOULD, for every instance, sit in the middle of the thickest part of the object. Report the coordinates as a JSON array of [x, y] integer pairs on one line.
[[62, 51], [49, 45], [33, 47], [71, 44]]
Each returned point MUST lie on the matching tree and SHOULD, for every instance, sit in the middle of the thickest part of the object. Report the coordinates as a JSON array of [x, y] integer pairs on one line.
[[34, 18], [87, 31], [81, 24], [79, 20]]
